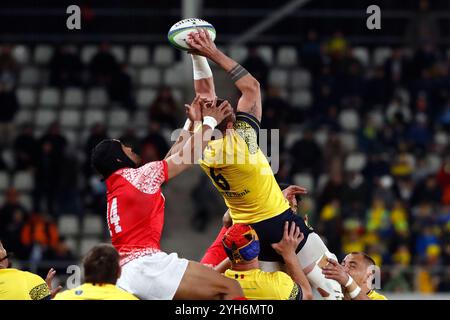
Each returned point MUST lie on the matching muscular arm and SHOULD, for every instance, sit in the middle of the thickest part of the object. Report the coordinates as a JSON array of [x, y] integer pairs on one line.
[[250, 101]]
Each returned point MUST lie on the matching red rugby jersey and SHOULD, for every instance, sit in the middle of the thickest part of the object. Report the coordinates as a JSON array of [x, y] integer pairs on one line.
[[135, 210]]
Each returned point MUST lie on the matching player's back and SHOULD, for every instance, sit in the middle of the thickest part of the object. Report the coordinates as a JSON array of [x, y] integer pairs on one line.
[[135, 210], [90, 291], [240, 171], [22, 285], [260, 285]]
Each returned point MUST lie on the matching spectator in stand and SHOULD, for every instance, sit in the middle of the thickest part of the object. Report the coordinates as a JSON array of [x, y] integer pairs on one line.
[[423, 27], [398, 108], [164, 109], [8, 99], [98, 133], [120, 90], [257, 66], [12, 218], [103, 66], [307, 155], [444, 179], [154, 146], [65, 67], [444, 117], [25, 148], [419, 134], [427, 190], [50, 165], [396, 68], [310, 52]]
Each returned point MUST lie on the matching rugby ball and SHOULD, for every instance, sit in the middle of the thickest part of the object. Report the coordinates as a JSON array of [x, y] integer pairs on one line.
[[179, 31]]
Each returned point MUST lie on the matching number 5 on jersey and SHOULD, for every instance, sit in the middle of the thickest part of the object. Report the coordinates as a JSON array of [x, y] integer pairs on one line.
[[113, 217]]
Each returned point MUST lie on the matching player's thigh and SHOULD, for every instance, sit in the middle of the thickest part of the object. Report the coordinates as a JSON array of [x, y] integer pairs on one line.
[[202, 283]]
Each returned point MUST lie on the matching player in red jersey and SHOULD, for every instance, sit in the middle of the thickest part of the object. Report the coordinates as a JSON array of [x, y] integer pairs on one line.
[[135, 215]]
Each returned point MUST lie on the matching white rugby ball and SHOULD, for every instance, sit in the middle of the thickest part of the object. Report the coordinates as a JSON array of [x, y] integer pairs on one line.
[[179, 31]]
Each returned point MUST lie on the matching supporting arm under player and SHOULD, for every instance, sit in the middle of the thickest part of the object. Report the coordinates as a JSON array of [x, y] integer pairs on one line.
[[193, 149], [250, 100]]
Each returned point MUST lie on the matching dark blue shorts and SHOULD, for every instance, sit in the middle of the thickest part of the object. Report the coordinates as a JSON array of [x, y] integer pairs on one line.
[[271, 231]]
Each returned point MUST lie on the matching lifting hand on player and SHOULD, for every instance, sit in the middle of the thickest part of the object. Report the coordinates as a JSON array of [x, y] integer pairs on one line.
[[219, 113], [49, 279], [333, 270], [201, 43], [194, 110], [292, 237], [290, 194]]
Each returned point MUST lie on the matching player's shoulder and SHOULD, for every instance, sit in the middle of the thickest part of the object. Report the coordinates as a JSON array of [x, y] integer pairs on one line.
[[246, 121], [373, 295]]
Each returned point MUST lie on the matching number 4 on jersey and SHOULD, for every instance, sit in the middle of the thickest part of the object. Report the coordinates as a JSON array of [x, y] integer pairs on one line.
[[113, 217]]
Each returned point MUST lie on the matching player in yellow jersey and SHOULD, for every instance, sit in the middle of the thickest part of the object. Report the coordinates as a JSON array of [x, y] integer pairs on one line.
[[101, 271], [241, 173], [242, 246], [21, 285], [355, 275]]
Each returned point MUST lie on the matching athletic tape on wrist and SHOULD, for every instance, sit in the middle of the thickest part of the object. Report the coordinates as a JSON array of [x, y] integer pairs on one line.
[[187, 125], [237, 72], [210, 121], [349, 282], [355, 293], [200, 67]]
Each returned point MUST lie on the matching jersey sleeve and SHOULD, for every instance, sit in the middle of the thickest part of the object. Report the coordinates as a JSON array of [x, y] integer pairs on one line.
[[287, 288], [149, 177], [37, 288], [247, 126]]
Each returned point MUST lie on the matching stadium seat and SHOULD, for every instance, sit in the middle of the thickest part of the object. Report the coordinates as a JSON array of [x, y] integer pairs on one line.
[[150, 77], [119, 53], [441, 138], [23, 116], [97, 98], [30, 76], [178, 96], [23, 181], [87, 52], [21, 54], [73, 98], [266, 53], [323, 179], [348, 141], [238, 53], [287, 56], [92, 117], [301, 99], [118, 119], [72, 244], [174, 76], [321, 137], [4, 181], [43, 118], [87, 244], [377, 118], [139, 56], [380, 55], [93, 225], [305, 180], [26, 200], [49, 97], [349, 120], [42, 54], [115, 133], [141, 119], [70, 118], [292, 137], [300, 79], [434, 162], [278, 78], [362, 55], [163, 55], [355, 162], [26, 97], [145, 97], [72, 136]]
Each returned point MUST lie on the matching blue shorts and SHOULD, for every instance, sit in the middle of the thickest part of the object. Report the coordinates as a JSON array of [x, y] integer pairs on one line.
[[271, 231]]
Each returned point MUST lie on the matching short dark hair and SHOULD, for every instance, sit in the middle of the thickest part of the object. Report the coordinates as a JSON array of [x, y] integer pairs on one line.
[[368, 259], [101, 265]]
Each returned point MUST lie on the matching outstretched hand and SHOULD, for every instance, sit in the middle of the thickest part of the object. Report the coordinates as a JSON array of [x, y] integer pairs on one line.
[[290, 241], [201, 43], [194, 110], [217, 112], [50, 276], [333, 270], [290, 194]]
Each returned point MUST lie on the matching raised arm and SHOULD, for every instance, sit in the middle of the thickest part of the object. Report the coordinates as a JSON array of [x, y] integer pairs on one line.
[[193, 149], [286, 248], [250, 100]]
